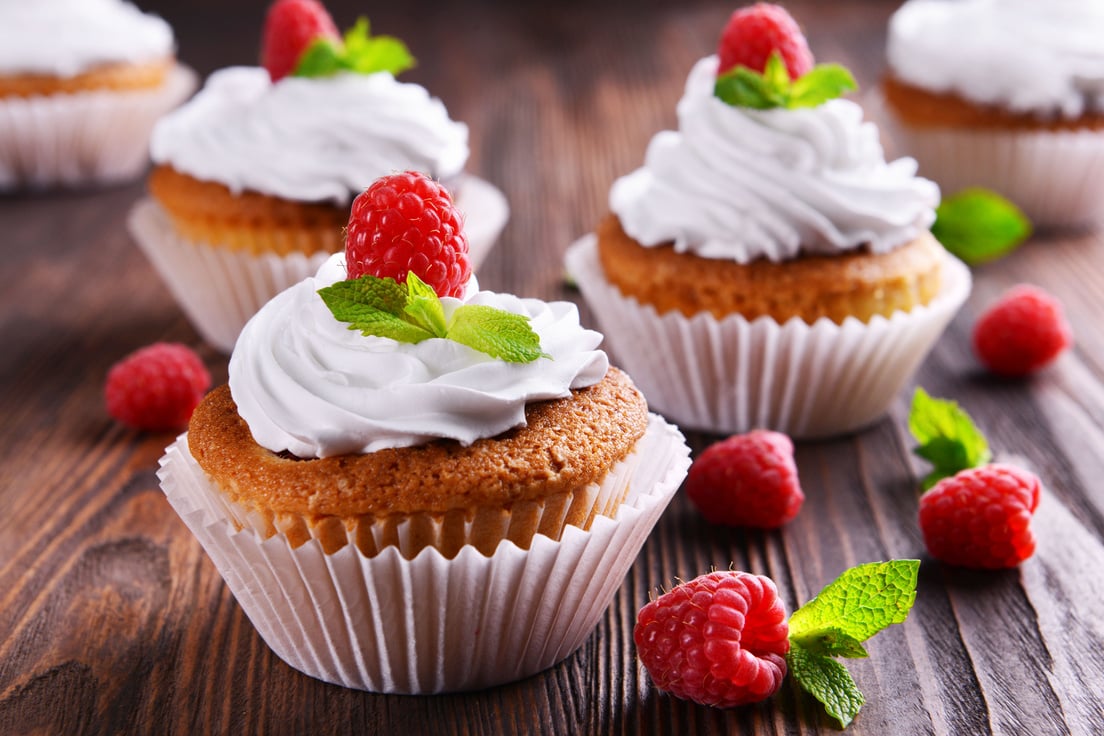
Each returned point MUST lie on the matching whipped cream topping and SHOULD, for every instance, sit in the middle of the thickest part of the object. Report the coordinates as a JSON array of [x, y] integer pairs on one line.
[[739, 184], [63, 38], [309, 139], [305, 383], [1025, 55]]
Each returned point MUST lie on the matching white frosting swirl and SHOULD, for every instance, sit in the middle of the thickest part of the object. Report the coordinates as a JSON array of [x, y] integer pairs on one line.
[[63, 38], [305, 383], [739, 184], [309, 139], [1024, 55]]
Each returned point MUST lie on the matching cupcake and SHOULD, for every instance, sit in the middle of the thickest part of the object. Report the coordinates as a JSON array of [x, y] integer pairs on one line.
[[409, 492], [81, 84], [1006, 95], [766, 267], [254, 176]]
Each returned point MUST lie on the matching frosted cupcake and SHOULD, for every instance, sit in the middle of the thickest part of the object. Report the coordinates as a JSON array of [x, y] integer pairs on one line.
[[767, 267], [388, 465], [81, 84], [1003, 94], [254, 176]]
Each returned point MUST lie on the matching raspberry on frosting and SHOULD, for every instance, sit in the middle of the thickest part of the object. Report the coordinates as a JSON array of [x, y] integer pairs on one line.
[[408, 222], [290, 27], [754, 33]]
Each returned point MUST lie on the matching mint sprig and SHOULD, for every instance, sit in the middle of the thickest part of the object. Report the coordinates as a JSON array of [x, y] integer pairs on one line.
[[858, 604], [948, 437], [979, 225], [359, 52], [743, 87], [412, 312]]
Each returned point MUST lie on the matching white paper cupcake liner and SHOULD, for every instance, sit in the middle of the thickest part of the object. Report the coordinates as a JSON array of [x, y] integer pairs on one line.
[[1055, 177], [427, 625], [730, 376], [220, 288], [98, 137]]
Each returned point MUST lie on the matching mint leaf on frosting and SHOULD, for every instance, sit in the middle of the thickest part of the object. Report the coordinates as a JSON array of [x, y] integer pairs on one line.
[[979, 225], [858, 604], [496, 332], [743, 87], [948, 437], [360, 52], [413, 312]]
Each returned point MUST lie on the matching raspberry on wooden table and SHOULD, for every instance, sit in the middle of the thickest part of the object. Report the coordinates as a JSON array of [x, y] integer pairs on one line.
[[408, 222], [290, 27], [1023, 331], [753, 33], [981, 517], [747, 480], [157, 387], [719, 640]]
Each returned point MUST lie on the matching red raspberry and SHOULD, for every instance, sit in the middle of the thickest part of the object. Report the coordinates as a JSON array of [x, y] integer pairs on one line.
[[718, 640], [1025, 330], [981, 517], [753, 33], [407, 222], [156, 387], [290, 27], [747, 480]]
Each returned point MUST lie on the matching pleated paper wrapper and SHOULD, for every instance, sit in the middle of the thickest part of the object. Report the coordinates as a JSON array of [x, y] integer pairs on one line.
[[95, 137], [1055, 177], [730, 376], [429, 624], [220, 288]]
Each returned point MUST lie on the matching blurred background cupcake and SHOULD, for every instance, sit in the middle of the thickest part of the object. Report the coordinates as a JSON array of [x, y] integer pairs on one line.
[[767, 267], [81, 84], [1006, 95], [254, 176]]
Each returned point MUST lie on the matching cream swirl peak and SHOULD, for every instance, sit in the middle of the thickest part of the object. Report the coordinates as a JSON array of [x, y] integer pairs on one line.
[[307, 384], [740, 184], [64, 38], [309, 139], [1025, 55]]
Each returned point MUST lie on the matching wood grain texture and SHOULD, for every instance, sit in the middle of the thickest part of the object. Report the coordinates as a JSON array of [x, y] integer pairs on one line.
[[112, 619]]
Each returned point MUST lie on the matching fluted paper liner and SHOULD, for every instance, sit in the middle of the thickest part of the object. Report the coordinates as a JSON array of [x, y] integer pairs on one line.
[[220, 288], [1055, 176], [95, 137], [426, 625], [733, 375]]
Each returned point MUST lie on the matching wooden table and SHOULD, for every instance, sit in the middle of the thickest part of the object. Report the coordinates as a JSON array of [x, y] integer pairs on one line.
[[112, 619]]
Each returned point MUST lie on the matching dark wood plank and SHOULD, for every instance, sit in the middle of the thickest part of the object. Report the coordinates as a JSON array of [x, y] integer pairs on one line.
[[112, 619]]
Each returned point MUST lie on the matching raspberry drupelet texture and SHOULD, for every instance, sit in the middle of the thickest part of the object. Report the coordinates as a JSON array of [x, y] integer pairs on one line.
[[747, 480], [719, 640], [157, 387], [753, 33], [1022, 332], [408, 222], [981, 517], [290, 27]]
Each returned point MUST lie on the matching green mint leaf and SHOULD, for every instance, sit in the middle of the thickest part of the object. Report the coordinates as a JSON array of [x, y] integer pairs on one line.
[[376, 323], [860, 602], [346, 299], [322, 58], [831, 641], [826, 680], [367, 54], [741, 87], [821, 83], [948, 437], [496, 332], [978, 225], [775, 73], [423, 306]]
